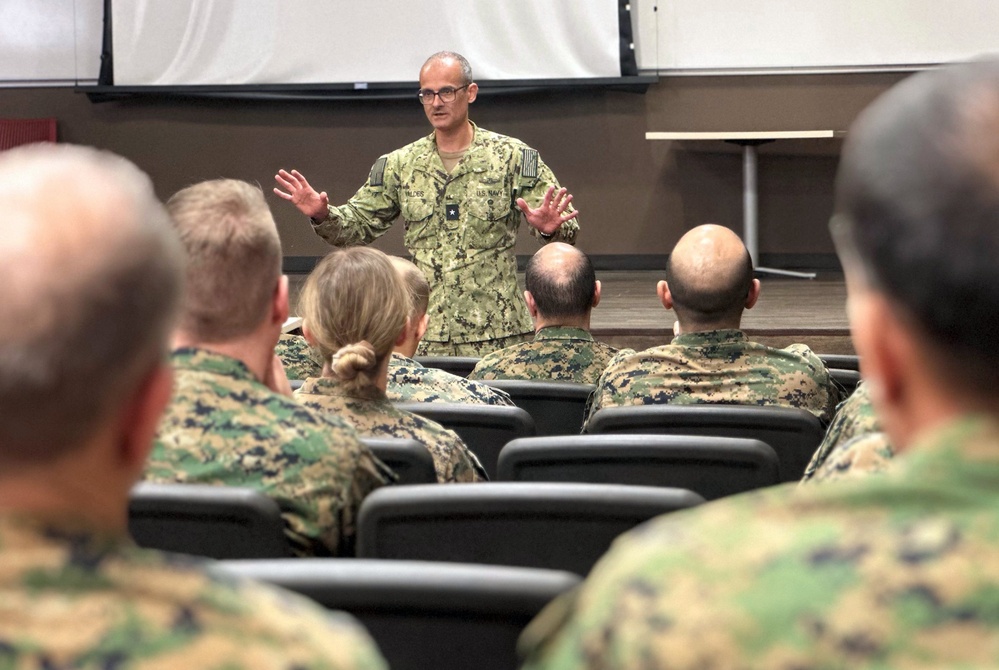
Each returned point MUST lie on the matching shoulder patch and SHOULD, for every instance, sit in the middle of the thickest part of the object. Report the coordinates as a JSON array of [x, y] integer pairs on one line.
[[529, 163], [377, 176]]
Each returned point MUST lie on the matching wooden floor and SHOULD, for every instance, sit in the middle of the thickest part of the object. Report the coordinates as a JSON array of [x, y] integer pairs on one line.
[[812, 311]]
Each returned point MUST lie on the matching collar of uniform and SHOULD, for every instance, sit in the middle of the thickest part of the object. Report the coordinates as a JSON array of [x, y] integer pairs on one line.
[[562, 333], [202, 360], [400, 361], [23, 530], [334, 387], [710, 337]]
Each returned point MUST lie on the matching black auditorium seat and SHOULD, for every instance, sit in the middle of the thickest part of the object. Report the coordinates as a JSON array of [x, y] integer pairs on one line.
[[793, 433], [484, 428], [712, 467], [213, 521], [558, 408], [409, 459], [559, 526], [422, 615]]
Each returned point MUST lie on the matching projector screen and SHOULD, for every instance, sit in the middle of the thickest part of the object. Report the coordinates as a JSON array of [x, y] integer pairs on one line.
[[306, 42]]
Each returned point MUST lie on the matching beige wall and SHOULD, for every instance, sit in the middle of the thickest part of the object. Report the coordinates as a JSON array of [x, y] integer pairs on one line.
[[636, 197]]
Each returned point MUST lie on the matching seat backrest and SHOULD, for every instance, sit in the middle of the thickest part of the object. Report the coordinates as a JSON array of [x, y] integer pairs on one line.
[[544, 525], [213, 521], [424, 615], [558, 408], [847, 379], [841, 361], [15, 132], [712, 467], [793, 433], [456, 365], [409, 459], [485, 429]]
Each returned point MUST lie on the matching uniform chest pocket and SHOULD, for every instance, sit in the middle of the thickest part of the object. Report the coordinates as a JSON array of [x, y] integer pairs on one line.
[[489, 221], [418, 214]]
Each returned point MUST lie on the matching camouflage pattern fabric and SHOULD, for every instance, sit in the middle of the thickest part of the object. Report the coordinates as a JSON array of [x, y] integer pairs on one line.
[[470, 349], [73, 599], [223, 427], [854, 419], [372, 414], [719, 366], [556, 354], [895, 571], [300, 361], [460, 229], [859, 457], [408, 381]]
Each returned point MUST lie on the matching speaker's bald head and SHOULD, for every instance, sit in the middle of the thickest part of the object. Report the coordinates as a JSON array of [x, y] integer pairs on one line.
[[709, 274]]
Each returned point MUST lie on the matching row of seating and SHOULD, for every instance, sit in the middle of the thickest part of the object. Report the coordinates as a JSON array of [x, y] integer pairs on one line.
[[564, 526], [793, 434]]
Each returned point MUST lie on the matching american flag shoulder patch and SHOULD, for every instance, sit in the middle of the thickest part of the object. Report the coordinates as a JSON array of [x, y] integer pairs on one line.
[[377, 176], [529, 163]]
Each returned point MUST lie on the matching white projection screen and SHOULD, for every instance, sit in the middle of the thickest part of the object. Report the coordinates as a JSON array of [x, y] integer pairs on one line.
[[266, 42]]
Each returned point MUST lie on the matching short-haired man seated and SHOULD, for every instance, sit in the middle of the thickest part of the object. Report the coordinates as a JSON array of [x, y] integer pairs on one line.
[[709, 283], [91, 290], [562, 290]]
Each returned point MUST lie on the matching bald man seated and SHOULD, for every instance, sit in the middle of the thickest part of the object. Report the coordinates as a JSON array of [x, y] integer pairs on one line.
[[709, 282], [562, 290]]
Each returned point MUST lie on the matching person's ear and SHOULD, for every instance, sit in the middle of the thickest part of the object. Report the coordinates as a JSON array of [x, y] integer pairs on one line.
[[754, 294], [307, 334], [532, 307], [473, 92], [665, 297], [140, 417], [403, 335], [596, 294], [279, 302], [421, 326]]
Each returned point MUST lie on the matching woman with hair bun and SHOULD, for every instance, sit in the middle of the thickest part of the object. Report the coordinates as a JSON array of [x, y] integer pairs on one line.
[[354, 306]]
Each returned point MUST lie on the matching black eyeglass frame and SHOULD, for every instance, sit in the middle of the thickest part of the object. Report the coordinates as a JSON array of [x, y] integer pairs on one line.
[[446, 94]]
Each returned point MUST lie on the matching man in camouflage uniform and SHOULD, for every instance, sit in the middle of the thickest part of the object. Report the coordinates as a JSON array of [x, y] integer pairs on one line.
[[82, 357], [894, 571], [854, 444], [299, 360], [408, 381], [232, 420], [562, 290], [709, 282], [461, 192]]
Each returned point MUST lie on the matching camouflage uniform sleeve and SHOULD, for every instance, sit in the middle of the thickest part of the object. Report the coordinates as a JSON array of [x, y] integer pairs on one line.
[[370, 212], [369, 474], [863, 455], [533, 180], [829, 391]]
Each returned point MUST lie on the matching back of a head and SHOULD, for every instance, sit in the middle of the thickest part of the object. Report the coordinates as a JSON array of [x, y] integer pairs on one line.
[[918, 213], [354, 305], [416, 283], [561, 281], [709, 274], [91, 292], [233, 258]]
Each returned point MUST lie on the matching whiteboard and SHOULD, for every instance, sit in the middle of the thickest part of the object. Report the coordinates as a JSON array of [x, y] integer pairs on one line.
[[50, 42], [745, 36]]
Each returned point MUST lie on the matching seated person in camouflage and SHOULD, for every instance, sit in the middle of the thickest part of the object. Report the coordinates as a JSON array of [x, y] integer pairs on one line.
[[355, 307], [854, 444], [83, 342], [299, 360], [562, 290], [900, 570], [232, 420], [709, 282], [408, 381]]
